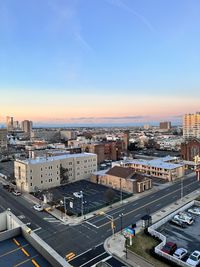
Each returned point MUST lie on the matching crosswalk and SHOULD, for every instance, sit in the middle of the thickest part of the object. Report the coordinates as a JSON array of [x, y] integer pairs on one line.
[[52, 220]]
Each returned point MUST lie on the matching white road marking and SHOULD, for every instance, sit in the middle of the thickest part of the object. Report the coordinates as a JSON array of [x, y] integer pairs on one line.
[[37, 229], [91, 224]]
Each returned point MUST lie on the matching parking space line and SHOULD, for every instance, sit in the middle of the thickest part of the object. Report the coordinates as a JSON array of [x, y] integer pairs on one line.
[[22, 262], [85, 263]]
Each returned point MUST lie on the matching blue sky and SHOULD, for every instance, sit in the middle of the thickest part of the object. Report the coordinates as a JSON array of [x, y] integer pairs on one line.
[[68, 59]]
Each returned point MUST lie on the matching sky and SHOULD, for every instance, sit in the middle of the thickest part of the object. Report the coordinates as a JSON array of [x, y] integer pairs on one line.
[[99, 61]]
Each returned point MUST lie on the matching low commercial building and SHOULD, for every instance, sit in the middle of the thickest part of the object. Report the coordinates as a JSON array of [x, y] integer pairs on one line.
[[123, 178], [162, 168], [47, 172]]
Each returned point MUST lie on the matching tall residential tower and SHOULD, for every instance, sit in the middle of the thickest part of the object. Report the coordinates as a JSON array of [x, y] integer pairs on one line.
[[191, 125]]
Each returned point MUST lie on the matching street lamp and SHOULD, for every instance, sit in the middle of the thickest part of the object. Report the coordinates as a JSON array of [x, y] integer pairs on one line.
[[121, 218], [121, 200]]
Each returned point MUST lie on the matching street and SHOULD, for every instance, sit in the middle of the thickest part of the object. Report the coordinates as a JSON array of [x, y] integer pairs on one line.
[[90, 233]]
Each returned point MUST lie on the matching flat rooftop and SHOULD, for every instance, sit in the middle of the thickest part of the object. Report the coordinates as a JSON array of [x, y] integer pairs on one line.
[[157, 163], [55, 158], [18, 252]]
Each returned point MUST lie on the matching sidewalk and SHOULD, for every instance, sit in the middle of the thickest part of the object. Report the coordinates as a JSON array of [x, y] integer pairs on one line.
[[115, 245], [73, 220]]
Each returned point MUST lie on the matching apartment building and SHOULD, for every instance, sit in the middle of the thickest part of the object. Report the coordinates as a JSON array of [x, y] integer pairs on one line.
[[3, 139], [47, 172], [105, 150], [27, 127], [162, 168], [191, 125], [165, 125]]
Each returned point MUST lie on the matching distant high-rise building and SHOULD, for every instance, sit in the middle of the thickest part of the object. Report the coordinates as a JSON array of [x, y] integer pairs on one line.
[[191, 125], [165, 125], [9, 123], [126, 140], [3, 139], [16, 125], [27, 126]]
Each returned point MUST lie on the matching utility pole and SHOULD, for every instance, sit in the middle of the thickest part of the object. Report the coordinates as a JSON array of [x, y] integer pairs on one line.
[[121, 217], [121, 200], [81, 203], [181, 187]]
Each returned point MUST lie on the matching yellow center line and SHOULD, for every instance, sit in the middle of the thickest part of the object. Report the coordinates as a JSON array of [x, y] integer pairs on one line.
[[132, 211]]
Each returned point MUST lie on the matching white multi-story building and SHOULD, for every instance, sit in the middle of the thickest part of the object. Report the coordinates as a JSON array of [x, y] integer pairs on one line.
[[191, 125], [47, 172], [163, 168]]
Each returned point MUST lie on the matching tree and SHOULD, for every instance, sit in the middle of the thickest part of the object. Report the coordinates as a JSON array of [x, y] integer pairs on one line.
[[64, 177], [110, 195]]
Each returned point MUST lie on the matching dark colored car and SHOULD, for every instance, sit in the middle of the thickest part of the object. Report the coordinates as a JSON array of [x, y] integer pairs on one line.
[[178, 223], [6, 186], [169, 248]]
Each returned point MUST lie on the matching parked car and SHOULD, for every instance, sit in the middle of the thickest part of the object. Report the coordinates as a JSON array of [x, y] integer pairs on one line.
[[169, 248], [194, 258], [186, 214], [6, 186], [78, 194], [183, 218], [38, 207], [178, 223], [180, 253], [16, 193], [194, 211]]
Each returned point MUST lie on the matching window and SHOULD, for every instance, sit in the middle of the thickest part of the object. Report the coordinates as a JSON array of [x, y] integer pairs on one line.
[[41, 169], [31, 177], [31, 184], [78, 162], [41, 182]]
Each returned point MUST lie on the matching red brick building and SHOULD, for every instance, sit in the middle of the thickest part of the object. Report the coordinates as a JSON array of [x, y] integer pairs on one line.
[[190, 149], [105, 150]]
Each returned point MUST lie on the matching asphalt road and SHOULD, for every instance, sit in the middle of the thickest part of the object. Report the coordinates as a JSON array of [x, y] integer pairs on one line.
[[78, 239]]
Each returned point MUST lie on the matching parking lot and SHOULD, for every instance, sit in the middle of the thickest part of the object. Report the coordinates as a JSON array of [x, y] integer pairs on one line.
[[18, 252], [95, 196], [188, 238]]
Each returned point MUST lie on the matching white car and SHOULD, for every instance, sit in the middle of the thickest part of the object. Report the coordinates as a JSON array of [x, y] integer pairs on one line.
[[180, 253], [184, 219], [38, 207], [16, 193], [78, 194], [194, 258], [194, 211]]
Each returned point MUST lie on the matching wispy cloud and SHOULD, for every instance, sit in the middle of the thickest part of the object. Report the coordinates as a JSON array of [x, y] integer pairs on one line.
[[121, 4], [66, 18]]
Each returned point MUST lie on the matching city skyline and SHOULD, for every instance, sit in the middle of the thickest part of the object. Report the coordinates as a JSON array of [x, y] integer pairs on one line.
[[99, 62]]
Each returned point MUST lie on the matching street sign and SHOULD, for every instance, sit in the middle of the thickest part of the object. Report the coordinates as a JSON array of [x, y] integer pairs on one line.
[[71, 204], [129, 232]]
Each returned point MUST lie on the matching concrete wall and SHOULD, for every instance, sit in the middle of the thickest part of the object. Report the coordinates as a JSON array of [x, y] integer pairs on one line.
[[10, 233], [3, 221], [45, 250]]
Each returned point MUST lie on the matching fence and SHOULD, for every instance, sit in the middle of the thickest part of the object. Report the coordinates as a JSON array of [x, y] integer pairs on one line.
[[153, 232]]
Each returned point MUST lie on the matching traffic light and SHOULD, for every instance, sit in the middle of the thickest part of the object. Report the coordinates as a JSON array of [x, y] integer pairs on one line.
[[112, 225]]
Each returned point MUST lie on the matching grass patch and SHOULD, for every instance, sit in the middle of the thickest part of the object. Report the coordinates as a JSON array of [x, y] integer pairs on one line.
[[142, 244], [198, 198]]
